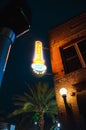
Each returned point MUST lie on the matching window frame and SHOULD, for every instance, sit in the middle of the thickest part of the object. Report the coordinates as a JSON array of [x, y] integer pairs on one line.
[[79, 54]]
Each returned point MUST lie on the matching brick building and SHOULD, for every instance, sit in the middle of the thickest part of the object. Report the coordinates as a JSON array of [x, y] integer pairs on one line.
[[67, 44]]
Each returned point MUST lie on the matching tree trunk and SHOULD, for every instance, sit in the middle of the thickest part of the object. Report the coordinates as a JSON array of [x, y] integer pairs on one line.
[[41, 121]]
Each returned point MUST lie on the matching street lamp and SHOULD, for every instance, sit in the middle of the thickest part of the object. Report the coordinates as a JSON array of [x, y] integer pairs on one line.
[[63, 92], [38, 66]]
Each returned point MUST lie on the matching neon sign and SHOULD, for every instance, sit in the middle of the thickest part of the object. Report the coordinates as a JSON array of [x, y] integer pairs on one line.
[[38, 64]]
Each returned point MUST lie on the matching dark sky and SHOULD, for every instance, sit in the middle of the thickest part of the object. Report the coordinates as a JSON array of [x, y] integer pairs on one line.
[[46, 14], [50, 13]]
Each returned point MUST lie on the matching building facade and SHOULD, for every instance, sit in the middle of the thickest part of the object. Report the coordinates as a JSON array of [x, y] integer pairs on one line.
[[67, 44]]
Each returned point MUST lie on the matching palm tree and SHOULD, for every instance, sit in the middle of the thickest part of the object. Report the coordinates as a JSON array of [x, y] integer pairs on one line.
[[39, 100]]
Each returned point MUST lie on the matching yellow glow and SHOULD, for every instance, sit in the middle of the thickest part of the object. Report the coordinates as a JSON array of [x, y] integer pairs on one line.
[[63, 91], [38, 64], [38, 58]]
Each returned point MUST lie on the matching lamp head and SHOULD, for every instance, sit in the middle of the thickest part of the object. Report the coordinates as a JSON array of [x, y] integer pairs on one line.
[[63, 92]]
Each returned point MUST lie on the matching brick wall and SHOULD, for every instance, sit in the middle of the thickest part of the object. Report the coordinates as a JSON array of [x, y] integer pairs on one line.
[[66, 34]]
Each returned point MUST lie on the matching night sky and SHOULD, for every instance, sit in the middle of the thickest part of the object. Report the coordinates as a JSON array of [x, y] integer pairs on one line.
[[46, 14]]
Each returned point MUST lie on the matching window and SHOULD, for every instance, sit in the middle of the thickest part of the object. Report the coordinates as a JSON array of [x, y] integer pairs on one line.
[[74, 56], [82, 47]]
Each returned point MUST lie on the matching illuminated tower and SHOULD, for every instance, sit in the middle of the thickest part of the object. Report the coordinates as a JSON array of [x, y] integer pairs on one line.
[[38, 65]]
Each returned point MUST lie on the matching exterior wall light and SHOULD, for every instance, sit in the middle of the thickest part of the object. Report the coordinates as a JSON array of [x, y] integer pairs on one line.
[[38, 66], [63, 92]]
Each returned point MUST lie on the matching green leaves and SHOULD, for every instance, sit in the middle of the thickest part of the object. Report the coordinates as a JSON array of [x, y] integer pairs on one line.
[[27, 106], [36, 117], [39, 99]]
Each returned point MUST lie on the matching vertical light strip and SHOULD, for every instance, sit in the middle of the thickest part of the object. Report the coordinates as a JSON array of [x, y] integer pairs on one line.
[[7, 58]]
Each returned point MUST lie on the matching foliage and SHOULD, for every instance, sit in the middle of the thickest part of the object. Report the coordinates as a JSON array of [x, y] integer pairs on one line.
[[40, 100]]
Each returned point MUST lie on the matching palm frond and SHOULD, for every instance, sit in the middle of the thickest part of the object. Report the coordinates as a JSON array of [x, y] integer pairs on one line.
[[38, 99], [20, 104], [20, 98]]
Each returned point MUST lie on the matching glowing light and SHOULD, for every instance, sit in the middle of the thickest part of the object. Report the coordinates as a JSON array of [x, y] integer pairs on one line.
[[58, 124], [63, 91], [38, 64]]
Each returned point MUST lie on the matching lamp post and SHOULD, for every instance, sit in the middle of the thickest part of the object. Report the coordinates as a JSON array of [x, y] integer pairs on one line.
[[63, 92]]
